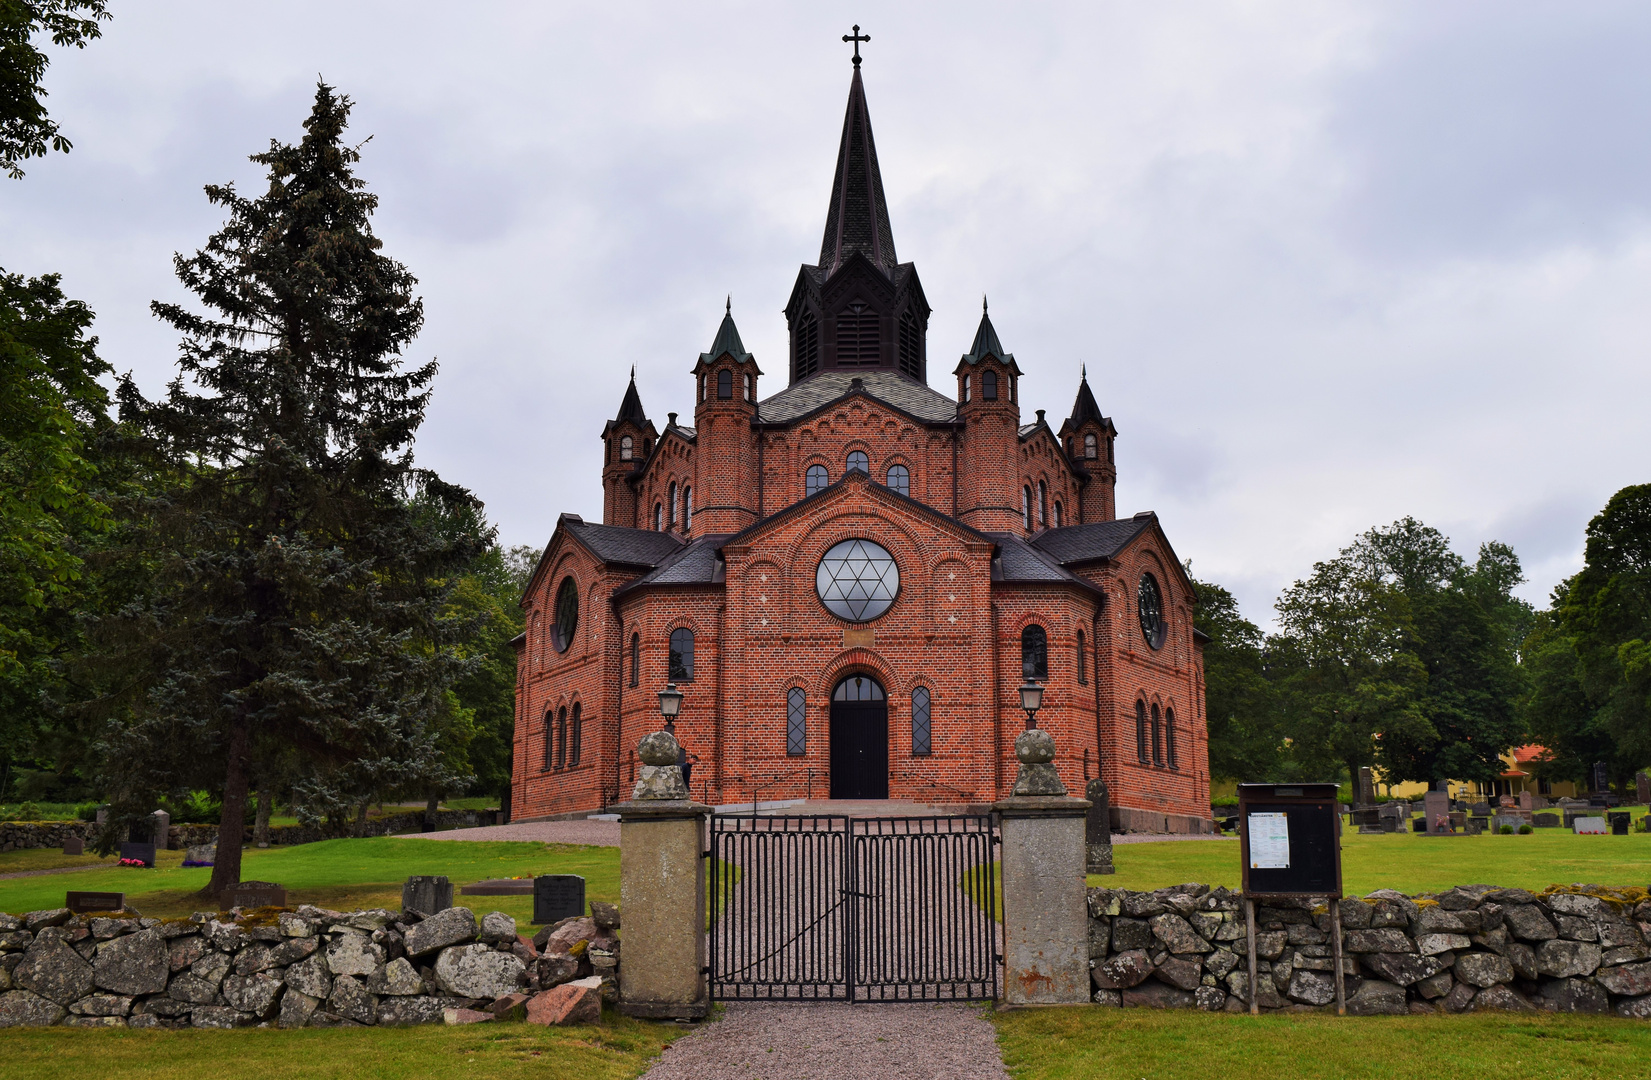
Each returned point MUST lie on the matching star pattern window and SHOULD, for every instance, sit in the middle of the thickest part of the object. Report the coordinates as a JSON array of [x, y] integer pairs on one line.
[[567, 614], [857, 580], [1151, 606]]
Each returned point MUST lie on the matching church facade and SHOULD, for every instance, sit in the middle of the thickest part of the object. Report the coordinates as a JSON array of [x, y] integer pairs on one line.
[[849, 579]]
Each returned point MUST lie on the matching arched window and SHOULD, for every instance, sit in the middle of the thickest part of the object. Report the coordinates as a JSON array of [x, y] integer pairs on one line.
[[966, 389], [1058, 518], [1011, 388], [1169, 738], [636, 659], [1083, 658], [988, 386], [900, 479], [567, 613], [561, 737], [858, 462], [750, 387], [814, 479], [687, 508], [1109, 451], [1026, 506], [575, 729], [659, 517], [647, 447], [670, 521], [796, 722], [921, 742], [1034, 653], [681, 663], [1089, 447], [725, 384], [1043, 504], [627, 448], [1141, 732], [550, 739], [1157, 737], [702, 388]]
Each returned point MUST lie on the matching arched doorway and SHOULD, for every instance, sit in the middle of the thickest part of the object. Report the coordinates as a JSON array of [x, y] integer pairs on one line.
[[859, 739]]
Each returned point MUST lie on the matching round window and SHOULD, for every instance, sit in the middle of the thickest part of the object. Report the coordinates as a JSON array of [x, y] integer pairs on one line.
[[1152, 611], [857, 580], [567, 613]]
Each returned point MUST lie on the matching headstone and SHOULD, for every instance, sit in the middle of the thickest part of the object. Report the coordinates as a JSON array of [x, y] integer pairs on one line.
[[1513, 820], [1507, 802], [201, 855], [1642, 788], [1390, 823], [1367, 787], [426, 894], [1620, 821], [162, 830], [557, 897], [1098, 829], [1476, 825], [74, 845], [1436, 812], [134, 852], [1546, 821], [1527, 801], [1418, 824], [84, 902], [1599, 778], [254, 894], [1482, 809], [1589, 826], [103, 815]]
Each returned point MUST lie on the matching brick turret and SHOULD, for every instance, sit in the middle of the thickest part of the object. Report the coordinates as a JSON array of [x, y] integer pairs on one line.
[[1087, 438], [627, 439], [988, 497], [725, 444]]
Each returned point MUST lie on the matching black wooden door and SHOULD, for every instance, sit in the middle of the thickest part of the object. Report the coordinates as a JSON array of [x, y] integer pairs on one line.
[[859, 749]]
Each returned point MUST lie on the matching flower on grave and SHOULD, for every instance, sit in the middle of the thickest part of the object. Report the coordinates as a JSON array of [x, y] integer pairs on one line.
[[133, 862]]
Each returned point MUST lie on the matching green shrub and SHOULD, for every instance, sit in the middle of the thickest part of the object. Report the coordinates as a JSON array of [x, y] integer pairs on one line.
[[1221, 801], [27, 812], [1524, 830], [1506, 830]]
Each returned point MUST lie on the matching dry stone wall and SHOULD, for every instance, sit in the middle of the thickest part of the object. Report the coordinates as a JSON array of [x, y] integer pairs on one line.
[[50, 834], [304, 967], [1579, 948]]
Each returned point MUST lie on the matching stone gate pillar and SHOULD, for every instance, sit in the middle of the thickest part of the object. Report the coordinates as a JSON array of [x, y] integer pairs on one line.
[[662, 891], [1045, 917]]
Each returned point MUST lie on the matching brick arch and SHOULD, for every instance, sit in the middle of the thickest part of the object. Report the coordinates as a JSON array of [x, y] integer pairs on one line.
[[856, 662]]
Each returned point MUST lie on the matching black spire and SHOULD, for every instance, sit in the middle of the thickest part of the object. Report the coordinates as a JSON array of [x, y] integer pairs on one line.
[[858, 218], [1084, 408], [631, 408], [986, 341], [727, 339]]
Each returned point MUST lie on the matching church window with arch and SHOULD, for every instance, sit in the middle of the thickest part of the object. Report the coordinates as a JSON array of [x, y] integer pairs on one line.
[[900, 479], [1043, 504], [1058, 517], [750, 387], [1089, 447], [815, 479], [1169, 738], [725, 385], [1082, 657], [567, 614], [670, 520], [659, 517], [859, 462], [627, 448], [988, 386], [636, 659], [550, 739], [575, 733], [561, 737], [1150, 607], [921, 730], [966, 388], [1026, 506], [680, 664], [1157, 737], [687, 508], [1034, 653], [1141, 751]]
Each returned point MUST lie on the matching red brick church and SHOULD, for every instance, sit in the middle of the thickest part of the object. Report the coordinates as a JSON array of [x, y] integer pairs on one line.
[[849, 579]]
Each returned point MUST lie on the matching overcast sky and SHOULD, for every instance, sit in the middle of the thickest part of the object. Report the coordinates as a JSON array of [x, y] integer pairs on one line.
[[1328, 264]]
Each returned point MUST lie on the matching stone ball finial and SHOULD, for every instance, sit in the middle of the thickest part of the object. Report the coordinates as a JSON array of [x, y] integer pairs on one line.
[[660, 748], [1035, 747]]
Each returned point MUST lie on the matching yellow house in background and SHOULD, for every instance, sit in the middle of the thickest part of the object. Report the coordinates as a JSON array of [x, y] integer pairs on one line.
[[1519, 776]]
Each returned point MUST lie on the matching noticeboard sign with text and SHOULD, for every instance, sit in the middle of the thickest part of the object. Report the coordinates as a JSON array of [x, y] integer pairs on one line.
[[1289, 839]]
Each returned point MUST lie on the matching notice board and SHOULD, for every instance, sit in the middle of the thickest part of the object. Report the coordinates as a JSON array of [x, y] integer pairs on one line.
[[1289, 839]]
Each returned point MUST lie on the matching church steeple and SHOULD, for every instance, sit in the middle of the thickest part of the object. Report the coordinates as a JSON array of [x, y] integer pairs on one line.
[[1088, 436], [858, 217], [627, 440]]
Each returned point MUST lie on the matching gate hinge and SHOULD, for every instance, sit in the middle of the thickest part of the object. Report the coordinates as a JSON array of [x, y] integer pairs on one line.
[[706, 970]]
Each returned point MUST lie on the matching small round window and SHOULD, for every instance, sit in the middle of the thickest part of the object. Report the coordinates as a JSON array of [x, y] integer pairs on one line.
[[857, 580], [567, 613], [1152, 611]]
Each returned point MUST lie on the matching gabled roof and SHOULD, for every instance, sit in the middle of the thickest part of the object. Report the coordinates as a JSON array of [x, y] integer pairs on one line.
[[1018, 561], [697, 563], [858, 217], [617, 544], [728, 340], [890, 387], [1100, 540]]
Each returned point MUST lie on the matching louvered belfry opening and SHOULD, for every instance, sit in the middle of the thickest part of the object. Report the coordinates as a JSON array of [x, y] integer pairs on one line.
[[858, 336]]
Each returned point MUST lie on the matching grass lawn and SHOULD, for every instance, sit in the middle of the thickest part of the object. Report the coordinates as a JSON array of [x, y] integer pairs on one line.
[[1133, 1044], [1409, 862], [21, 859], [619, 1048], [340, 874]]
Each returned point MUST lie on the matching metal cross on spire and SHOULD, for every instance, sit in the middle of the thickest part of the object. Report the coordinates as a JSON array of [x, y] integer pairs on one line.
[[856, 37]]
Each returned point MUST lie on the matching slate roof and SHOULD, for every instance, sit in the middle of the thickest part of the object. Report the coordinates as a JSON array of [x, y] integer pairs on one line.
[[858, 217], [1084, 408], [617, 544], [696, 563], [1016, 560], [901, 391], [1101, 540], [986, 341], [727, 340]]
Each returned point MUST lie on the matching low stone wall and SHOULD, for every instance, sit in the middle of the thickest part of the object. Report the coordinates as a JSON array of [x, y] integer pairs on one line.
[[1129, 820], [1569, 949], [42, 834], [309, 967]]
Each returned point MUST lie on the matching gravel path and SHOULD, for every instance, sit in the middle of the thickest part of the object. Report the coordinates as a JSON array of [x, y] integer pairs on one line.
[[56, 870], [593, 833], [759, 1041]]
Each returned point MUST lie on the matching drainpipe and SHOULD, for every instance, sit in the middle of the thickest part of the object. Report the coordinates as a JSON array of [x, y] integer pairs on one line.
[[997, 709]]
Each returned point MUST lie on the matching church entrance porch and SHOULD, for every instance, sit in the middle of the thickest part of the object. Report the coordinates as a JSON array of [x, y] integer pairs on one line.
[[859, 739]]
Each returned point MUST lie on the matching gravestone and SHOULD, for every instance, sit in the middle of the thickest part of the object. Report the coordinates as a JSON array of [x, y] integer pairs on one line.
[[1436, 813], [1507, 802], [201, 854], [1390, 823], [74, 845], [1418, 824], [82, 903], [254, 894], [161, 831], [142, 853], [1476, 825], [1481, 809], [557, 897], [1620, 821], [1513, 820], [103, 815], [1545, 821], [1642, 788], [1600, 778], [426, 894], [1589, 826], [1527, 801], [1098, 829], [1367, 787]]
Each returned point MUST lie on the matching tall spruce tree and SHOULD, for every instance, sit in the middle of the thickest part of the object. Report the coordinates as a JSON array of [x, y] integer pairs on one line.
[[301, 608]]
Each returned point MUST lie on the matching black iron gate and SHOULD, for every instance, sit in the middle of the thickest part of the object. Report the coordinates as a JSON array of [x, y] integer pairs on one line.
[[853, 909]]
